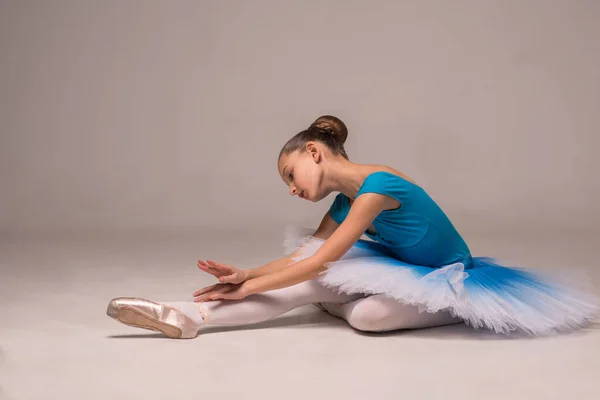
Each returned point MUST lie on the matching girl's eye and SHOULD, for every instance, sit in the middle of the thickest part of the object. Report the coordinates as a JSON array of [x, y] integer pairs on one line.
[[291, 176]]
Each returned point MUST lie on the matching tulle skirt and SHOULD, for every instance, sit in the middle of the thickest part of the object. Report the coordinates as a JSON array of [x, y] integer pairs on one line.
[[487, 295]]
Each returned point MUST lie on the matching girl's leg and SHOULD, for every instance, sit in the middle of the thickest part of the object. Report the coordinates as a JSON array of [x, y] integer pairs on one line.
[[183, 319], [268, 305], [378, 313]]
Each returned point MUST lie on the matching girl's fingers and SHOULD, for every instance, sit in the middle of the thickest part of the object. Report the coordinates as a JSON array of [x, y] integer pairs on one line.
[[204, 290], [203, 297], [204, 268], [220, 266], [199, 299], [208, 269], [217, 269], [215, 296], [204, 264], [210, 272], [219, 296], [218, 288], [229, 295], [207, 296]]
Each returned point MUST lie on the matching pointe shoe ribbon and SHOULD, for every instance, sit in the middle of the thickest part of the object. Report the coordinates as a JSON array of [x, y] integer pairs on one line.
[[147, 314]]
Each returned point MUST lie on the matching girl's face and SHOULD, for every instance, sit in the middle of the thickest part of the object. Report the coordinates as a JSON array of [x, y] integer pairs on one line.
[[303, 173]]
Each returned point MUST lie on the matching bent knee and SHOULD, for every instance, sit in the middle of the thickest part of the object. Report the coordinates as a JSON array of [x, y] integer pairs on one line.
[[369, 317], [378, 314]]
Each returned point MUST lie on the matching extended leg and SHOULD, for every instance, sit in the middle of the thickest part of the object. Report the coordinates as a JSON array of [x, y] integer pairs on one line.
[[183, 319], [265, 306]]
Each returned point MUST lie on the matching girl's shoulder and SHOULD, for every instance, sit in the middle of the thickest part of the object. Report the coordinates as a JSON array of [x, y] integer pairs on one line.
[[387, 181], [380, 179], [388, 169], [342, 201]]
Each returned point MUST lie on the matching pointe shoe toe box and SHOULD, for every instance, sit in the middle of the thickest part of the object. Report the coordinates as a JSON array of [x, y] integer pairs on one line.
[[147, 314]]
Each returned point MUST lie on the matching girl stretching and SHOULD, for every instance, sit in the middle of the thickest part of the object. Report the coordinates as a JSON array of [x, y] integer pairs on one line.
[[415, 270]]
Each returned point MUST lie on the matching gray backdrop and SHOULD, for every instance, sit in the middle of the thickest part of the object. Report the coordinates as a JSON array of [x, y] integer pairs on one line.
[[139, 115]]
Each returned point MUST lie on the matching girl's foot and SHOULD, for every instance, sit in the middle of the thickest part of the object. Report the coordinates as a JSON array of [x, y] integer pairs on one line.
[[147, 314]]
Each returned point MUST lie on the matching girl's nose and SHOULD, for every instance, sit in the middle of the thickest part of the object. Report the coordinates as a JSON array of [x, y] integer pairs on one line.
[[292, 191]]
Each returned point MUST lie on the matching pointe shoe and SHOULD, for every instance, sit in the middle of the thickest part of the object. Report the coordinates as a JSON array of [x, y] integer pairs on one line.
[[147, 314]]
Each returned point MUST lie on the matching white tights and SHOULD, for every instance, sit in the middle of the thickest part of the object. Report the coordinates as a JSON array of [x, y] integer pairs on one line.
[[374, 313]]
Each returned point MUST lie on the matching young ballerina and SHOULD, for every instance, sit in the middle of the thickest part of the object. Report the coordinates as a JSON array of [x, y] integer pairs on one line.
[[416, 270]]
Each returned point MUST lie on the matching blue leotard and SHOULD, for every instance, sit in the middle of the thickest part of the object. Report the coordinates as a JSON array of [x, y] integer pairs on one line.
[[418, 257], [418, 232]]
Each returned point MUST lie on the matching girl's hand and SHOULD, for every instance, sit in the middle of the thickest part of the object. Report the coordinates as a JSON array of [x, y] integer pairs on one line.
[[221, 291], [224, 272]]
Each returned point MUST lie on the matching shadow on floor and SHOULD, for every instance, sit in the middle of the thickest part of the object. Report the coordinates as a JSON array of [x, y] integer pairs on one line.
[[319, 320], [314, 320]]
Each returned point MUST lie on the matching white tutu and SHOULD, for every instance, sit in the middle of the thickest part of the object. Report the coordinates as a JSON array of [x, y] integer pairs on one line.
[[488, 294]]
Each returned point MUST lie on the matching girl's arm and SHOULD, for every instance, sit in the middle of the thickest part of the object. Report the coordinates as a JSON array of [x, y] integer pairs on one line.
[[324, 231], [362, 213]]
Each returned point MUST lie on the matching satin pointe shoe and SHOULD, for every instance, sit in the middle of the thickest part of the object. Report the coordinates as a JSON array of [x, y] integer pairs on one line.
[[147, 314]]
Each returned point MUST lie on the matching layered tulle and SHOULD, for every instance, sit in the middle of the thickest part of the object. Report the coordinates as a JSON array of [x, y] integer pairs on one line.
[[487, 295]]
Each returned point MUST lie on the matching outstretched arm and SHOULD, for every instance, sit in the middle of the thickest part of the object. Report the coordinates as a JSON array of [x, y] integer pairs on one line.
[[230, 274], [324, 231], [361, 215]]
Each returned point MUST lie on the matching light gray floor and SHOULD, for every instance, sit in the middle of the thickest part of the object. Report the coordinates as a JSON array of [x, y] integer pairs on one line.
[[57, 343]]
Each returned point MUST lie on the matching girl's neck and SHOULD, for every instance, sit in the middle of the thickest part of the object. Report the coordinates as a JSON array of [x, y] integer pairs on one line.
[[347, 177]]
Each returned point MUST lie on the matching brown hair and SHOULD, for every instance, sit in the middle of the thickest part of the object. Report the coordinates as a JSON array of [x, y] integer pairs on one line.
[[327, 129]]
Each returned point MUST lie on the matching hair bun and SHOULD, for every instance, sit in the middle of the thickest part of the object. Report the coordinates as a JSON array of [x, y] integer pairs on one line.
[[332, 126]]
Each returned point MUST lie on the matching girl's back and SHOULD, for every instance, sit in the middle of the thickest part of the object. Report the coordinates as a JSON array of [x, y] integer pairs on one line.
[[418, 231]]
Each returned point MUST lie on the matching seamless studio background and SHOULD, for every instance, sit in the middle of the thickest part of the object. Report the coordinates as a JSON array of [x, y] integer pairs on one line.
[[130, 116], [137, 137]]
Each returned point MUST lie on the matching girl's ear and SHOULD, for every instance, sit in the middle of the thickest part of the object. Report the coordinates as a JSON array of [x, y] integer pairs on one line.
[[314, 151]]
